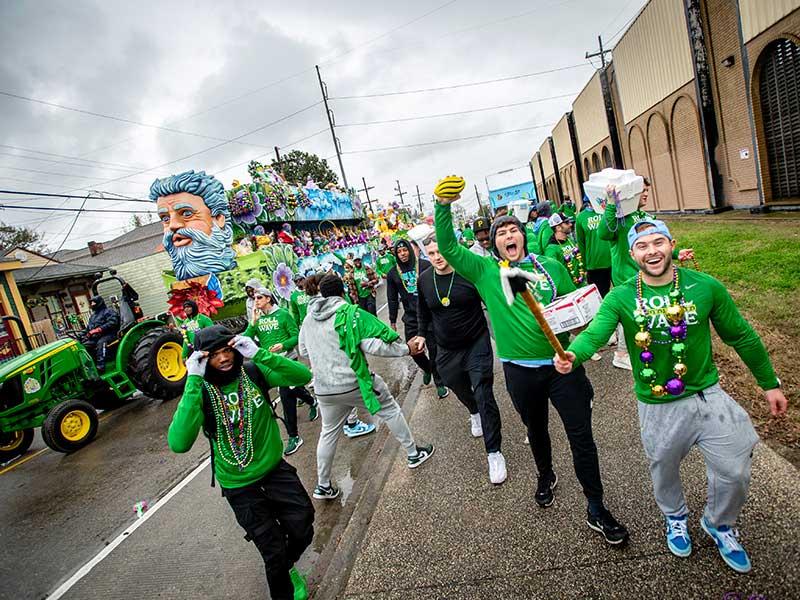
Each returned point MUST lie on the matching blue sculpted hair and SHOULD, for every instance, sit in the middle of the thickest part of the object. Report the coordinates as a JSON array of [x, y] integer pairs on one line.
[[207, 187]]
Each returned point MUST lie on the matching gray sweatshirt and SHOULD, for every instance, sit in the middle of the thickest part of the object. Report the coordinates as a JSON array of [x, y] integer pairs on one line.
[[320, 343]]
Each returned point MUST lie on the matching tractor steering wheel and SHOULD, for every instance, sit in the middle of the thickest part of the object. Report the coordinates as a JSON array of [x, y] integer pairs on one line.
[[72, 333]]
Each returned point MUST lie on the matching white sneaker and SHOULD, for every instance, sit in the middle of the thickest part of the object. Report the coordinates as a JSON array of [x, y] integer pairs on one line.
[[622, 361], [596, 356], [497, 467], [527, 441], [475, 426], [612, 341]]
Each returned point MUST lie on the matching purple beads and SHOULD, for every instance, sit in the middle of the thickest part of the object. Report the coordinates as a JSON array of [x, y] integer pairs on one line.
[[646, 356], [678, 331], [675, 387]]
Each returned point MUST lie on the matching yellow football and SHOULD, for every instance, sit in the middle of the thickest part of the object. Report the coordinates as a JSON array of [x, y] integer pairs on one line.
[[450, 187]]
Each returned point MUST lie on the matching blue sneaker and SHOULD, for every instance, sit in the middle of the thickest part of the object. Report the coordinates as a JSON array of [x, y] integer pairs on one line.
[[358, 429], [730, 549], [678, 540]]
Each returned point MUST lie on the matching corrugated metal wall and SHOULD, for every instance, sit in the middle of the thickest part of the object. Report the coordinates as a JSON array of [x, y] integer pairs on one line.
[[759, 15], [144, 275], [562, 143], [547, 158], [590, 115], [653, 58]]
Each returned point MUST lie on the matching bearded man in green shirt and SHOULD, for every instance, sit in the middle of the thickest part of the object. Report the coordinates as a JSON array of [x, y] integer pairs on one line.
[[227, 396], [384, 262], [526, 355], [298, 300], [665, 313]]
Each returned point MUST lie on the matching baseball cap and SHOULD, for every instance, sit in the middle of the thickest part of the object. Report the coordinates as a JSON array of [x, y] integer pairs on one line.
[[481, 224], [555, 220], [654, 226]]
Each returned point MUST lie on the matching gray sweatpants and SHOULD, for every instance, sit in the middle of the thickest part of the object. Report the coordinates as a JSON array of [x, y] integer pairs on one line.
[[336, 408], [723, 432]]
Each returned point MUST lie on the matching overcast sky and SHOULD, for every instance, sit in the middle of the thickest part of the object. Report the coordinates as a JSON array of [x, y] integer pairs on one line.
[[208, 69]]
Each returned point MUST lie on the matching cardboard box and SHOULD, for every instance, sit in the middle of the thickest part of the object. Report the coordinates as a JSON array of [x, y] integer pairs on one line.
[[573, 310]]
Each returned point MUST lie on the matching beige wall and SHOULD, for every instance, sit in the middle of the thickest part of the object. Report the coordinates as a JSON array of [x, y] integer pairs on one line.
[[760, 15], [562, 143], [31, 259], [653, 58], [547, 158], [144, 275], [589, 112]]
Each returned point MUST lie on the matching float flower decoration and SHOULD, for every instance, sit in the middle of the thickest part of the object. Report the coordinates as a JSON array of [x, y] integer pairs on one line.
[[244, 203], [207, 300], [282, 279]]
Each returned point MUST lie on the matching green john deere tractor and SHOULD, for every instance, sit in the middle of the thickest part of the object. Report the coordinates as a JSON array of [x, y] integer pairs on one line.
[[57, 387]]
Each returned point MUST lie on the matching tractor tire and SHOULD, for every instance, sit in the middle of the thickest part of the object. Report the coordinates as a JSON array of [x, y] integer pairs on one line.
[[235, 324], [70, 426], [156, 366], [15, 444]]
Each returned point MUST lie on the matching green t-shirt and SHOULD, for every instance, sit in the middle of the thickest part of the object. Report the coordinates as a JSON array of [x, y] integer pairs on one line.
[[532, 239], [362, 278], [614, 230], [298, 306], [517, 333], [565, 253], [706, 300], [567, 210], [384, 264], [543, 235], [278, 327], [188, 328], [596, 251], [267, 445]]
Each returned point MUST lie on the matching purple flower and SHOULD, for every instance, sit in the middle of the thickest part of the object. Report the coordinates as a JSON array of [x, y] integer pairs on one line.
[[245, 206], [282, 278]]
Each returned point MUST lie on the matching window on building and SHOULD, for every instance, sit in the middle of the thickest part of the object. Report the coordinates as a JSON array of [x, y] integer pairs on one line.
[[586, 170], [780, 116], [596, 163], [606, 158]]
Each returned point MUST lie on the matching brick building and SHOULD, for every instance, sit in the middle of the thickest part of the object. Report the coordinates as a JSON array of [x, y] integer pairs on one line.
[[703, 97]]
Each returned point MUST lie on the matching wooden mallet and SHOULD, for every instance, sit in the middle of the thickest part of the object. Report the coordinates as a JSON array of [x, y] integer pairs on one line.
[[514, 281]]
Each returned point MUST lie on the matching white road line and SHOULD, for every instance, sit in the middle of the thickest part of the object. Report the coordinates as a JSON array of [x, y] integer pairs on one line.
[[382, 307], [84, 570]]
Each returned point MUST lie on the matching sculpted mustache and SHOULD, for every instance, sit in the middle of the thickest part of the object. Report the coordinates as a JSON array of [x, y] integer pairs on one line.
[[194, 234]]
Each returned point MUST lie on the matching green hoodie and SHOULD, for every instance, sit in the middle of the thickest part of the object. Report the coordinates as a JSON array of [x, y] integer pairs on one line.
[[517, 333], [596, 251], [384, 264], [298, 305], [278, 327], [614, 230], [267, 445], [707, 300]]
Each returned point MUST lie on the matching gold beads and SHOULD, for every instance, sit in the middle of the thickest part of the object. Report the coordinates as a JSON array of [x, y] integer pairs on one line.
[[675, 313], [643, 339], [679, 369], [658, 390]]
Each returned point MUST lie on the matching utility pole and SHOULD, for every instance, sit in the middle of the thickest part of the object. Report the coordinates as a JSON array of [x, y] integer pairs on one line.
[[400, 192], [419, 199], [324, 89], [366, 190], [478, 196], [280, 162], [601, 54]]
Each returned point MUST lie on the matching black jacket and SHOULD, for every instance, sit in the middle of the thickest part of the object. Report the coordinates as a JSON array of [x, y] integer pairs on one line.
[[103, 317], [401, 286]]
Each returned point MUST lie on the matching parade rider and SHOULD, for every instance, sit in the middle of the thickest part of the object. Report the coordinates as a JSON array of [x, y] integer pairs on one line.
[[102, 329]]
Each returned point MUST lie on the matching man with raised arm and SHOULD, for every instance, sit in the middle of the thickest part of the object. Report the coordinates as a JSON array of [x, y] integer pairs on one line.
[[527, 357], [665, 313]]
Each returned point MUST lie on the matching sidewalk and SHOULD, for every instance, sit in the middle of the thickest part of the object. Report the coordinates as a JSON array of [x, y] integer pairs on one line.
[[443, 531]]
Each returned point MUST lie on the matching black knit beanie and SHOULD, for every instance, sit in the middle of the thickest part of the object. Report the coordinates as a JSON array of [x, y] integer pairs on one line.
[[507, 220], [331, 285]]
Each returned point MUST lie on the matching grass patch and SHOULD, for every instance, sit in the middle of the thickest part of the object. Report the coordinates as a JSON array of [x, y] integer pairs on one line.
[[759, 262]]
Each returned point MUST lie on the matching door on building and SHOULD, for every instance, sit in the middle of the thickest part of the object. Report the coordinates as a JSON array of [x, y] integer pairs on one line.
[[8, 347], [779, 94]]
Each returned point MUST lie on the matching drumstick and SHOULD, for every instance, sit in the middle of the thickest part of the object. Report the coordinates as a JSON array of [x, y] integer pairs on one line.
[[536, 309]]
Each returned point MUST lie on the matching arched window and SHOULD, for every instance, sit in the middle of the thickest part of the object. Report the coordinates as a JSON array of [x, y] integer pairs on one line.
[[607, 164], [596, 163], [779, 92], [586, 170]]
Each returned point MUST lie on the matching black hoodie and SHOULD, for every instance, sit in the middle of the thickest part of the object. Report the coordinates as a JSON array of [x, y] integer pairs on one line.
[[211, 339], [401, 285], [103, 317]]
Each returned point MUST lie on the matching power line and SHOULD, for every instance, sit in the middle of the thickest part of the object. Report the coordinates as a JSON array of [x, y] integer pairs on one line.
[[618, 15], [460, 85], [461, 139], [79, 210], [624, 27], [35, 195], [66, 174], [64, 162], [461, 112], [64, 241], [97, 162]]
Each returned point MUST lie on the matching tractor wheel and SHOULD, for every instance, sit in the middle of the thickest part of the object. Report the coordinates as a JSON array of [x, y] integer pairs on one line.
[[70, 426], [156, 366], [15, 444]]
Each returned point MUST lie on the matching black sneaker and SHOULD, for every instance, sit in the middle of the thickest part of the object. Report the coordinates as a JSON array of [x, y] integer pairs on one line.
[[605, 524], [423, 454], [325, 492], [545, 488]]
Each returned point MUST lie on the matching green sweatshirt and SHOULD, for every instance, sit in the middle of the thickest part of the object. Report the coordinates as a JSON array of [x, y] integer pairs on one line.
[[707, 300], [298, 305], [596, 251], [384, 264], [278, 327], [516, 331], [559, 251], [623, 267], [188, 328], [543, 237], [267, 445], [362, 278]]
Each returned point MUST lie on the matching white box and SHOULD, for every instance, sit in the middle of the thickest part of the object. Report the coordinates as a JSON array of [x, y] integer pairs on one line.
[[573, 310], [628, 184]]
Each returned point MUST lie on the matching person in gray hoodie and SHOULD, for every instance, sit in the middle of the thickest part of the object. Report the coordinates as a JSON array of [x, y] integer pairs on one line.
[[335, 337], [250, 289]]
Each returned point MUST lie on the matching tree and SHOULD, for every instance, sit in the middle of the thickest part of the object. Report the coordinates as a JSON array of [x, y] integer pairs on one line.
[[297, 166], [12, 236]]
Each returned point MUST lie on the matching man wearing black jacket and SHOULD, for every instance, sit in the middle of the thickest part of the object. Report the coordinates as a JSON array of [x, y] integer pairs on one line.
[[401, 286], [102, 329], [451, 306]]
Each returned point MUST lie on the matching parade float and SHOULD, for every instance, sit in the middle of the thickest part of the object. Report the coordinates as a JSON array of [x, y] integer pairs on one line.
[[268, 229]]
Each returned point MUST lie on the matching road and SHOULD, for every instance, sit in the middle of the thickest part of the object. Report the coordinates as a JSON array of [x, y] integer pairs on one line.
[[59, 511]]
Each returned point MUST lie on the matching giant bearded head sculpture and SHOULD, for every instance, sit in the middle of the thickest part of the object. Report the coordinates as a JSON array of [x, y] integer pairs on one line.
[[197, 226]]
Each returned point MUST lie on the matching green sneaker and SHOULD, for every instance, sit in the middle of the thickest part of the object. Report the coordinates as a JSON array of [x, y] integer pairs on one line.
[[426, 378], [299, 584], [442, 392], [313, 411], [293, 445]]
